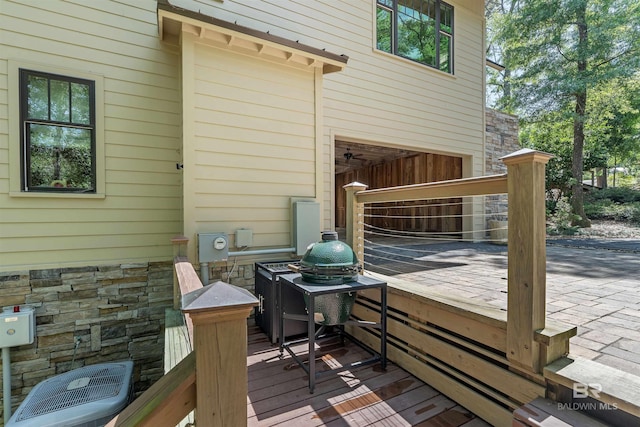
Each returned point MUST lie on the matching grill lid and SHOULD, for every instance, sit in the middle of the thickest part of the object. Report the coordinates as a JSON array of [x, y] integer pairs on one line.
[[329, 260]]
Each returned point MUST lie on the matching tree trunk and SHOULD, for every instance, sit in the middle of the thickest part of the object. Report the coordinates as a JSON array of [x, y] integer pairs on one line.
[[577, 166], [577, 198]]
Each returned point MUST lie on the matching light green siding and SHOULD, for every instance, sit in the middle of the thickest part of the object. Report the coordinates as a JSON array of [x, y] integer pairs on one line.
[[252, 133], [252, 142], [379, 98], [140, 209]]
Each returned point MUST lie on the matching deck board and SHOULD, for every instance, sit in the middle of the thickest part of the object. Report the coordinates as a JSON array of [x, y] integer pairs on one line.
[[364, 396]]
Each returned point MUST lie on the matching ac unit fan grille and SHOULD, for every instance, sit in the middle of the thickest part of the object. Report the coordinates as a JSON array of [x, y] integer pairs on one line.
[[54, 394]]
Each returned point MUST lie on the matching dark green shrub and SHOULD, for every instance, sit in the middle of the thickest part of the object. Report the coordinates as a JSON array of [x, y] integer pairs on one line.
[[615, 194], [615, 204]]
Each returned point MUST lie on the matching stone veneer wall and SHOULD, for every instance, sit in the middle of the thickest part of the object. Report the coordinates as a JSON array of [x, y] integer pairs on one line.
[[242, 275], [501, 139], [117, 312]]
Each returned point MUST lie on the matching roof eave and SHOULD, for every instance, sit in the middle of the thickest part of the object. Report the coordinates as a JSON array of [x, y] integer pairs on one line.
[[173, 20]]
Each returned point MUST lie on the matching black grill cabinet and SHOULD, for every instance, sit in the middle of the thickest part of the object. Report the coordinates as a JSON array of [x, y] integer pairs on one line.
[[266, 313]]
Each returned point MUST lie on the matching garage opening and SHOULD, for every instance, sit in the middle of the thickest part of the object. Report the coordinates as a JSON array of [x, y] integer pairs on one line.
[[380, 167]]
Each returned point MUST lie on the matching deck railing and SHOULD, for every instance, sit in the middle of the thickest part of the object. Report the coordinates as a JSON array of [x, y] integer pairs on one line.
[[489, 361], [216, 319]]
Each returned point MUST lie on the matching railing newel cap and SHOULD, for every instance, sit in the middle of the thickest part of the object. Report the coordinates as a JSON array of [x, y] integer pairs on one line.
[[355, 185], [526, 154], [217, 296]]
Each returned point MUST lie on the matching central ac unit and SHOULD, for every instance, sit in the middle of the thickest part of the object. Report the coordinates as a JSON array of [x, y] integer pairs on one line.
[[85, 397]]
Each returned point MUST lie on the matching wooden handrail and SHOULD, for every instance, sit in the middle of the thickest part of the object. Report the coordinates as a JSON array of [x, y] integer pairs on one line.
[[216, 318], [166, 402], [477, 186], [188, 281], [524, 184]]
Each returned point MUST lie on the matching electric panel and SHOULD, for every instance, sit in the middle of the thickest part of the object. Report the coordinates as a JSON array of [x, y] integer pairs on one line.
[[306, 225]]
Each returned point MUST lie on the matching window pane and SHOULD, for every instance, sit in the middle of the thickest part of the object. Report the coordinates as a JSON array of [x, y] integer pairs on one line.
[[60, 101], [445, 53], [446, 18], [412, 29], [416, 33], [384, 28], [60, 157], [38, 98], [80, 111]]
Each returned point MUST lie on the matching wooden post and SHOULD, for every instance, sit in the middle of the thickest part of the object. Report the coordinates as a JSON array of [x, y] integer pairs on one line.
[[526, 309], [355, 219], [179, 250], [219, 313]]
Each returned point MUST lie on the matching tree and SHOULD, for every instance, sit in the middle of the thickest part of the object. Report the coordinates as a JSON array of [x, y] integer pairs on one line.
[[559, 50], [614, 121], [498, 82]]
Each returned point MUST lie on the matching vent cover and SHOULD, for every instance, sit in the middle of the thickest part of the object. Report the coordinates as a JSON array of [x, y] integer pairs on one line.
[[77, 397]]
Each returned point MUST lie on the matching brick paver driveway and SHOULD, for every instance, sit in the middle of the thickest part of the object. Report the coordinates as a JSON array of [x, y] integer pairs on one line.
[[594, 285]]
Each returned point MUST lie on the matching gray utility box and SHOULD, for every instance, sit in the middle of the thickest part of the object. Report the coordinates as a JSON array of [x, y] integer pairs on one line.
[[213, 247], [306, 224], [17, 326]]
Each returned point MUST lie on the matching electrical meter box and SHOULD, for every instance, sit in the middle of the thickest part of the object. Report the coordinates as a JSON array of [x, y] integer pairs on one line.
[[17, 326], [213, 247]]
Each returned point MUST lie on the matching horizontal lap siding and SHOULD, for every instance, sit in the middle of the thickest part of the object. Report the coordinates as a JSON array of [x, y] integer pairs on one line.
[[142, 118], [378, 97], [253, 144], [392, 100]]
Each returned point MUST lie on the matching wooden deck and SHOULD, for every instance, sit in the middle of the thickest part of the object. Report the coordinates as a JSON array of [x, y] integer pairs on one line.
[[366, 396]]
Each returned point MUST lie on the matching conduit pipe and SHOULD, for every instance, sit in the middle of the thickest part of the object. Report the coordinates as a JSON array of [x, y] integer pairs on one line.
[[263, 252], [204, 266], [6, 383]]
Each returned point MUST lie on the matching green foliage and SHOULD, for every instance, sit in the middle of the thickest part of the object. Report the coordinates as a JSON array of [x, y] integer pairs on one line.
[[560, 219], [615, 195], [616, 204], [566, 58], [552, 136], [543, 45]]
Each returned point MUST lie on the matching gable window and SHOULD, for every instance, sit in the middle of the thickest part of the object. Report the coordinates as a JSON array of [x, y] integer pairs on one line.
[[420, 30], [57, 133]]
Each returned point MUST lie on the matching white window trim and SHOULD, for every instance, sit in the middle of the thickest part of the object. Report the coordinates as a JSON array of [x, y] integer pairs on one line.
[[15, 143]]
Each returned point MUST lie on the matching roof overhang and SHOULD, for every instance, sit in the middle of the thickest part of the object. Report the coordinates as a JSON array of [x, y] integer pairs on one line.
[[494, 65], [173, 21]]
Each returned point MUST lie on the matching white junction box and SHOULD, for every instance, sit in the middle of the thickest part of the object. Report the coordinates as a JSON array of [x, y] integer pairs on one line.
[[17, 326], [244, 237], [213, 247]]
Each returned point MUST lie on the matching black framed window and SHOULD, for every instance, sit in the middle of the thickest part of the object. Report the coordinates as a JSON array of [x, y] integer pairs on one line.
[[420, 30], [58, 133]]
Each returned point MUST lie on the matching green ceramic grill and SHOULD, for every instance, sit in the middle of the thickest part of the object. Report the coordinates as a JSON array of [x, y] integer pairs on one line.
[[330, 262]]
